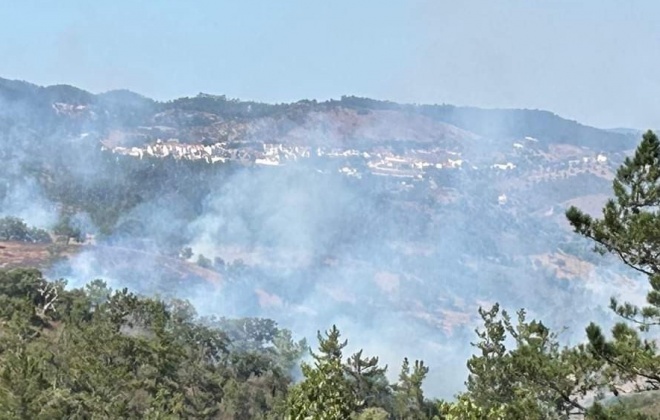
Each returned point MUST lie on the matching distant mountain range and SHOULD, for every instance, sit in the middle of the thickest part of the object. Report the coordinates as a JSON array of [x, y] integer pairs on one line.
[[126, 108]]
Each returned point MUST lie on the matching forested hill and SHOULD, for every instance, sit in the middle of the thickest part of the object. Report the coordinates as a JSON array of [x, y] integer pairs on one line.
[[391, 221], [57, 104]]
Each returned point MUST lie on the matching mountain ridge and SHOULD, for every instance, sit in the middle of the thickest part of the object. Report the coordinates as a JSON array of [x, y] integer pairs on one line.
[[496, 123]]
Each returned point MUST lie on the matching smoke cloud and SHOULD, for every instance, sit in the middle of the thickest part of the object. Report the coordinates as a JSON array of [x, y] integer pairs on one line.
[[400, 265]]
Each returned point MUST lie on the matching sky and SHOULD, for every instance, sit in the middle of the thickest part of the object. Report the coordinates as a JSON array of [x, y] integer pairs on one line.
[[595, 61]]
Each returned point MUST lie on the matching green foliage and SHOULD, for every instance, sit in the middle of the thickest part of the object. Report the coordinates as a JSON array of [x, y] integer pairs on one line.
[[408, 396], [204, 262], [15, 229], [619, 411], [368, 381], [630, 229], [186, 253], [535, 377], [99, 353], [357, 389], [372, 414], [325, 393], [219, 104], [66, 229], [464, 408]]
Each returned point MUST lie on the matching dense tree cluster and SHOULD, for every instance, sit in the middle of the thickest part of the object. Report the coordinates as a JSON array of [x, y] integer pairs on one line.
[[98, 353], [15, 229]]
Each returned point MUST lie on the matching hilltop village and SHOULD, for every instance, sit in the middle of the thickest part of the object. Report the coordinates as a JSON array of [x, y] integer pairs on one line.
[[524, 157]]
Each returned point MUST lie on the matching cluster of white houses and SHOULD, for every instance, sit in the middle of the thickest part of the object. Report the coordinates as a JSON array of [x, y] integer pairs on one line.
[[381, 162]]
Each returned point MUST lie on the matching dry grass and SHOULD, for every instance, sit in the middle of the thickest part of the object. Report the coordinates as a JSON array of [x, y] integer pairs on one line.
[[564, 266], [20, 254]]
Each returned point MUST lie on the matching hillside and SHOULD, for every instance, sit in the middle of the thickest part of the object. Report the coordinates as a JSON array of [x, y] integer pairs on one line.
[[389, 218]]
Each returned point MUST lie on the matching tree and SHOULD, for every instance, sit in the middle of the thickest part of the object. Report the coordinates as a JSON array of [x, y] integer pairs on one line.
[[66, 229], [219, 264], [186, 253], [204, 262], [325, 393], [368, 381], [536, 378], [409, 400], [465, 408], [373, 414], [15, 229], [630, 230], [98, 353]]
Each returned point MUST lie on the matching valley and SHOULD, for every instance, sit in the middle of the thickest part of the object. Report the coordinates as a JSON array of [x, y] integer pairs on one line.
[[381, 217]]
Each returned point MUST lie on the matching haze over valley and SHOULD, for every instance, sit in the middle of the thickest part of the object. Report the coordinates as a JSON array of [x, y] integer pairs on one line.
[[394, 221]]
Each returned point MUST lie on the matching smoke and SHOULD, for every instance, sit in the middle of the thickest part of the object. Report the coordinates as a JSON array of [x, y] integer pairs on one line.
[[400, 265], [293, 211], [20, 194], [25, 200]]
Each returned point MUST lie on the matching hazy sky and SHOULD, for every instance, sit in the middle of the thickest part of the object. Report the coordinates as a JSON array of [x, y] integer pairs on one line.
[[597, 61]]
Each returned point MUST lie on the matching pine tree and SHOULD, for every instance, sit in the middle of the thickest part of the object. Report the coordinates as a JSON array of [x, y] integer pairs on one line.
[[630, 230], [536, 378], [409, 400], [325, 393], [368, 381]]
